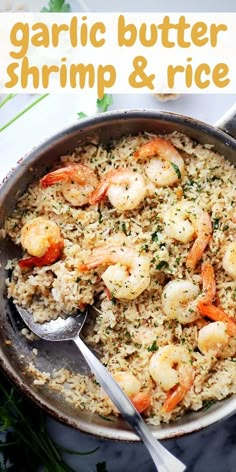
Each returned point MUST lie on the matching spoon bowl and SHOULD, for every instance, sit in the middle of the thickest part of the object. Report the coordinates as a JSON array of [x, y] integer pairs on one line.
[[63, 329]]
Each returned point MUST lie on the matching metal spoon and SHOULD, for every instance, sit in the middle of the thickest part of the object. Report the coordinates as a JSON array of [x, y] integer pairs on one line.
[[69, 329]]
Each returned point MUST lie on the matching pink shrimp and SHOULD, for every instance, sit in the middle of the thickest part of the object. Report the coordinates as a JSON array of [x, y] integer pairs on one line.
[[77, 182], [128, 274], [125, 189], [166, 165], [204, 232]]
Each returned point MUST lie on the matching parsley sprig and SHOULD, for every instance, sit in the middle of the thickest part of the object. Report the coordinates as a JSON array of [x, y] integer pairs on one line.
[[57, 6], [27, 444], [105, 102]]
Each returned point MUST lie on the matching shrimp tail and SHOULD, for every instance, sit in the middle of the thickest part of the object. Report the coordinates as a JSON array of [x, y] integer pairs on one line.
[[54, 177], [53, 253], [100, 256], [208, 283], [92, 263], [217, 313], [157, 146], [197, 251], [177, 394], [77, 172], [99, 193], [141, 401]]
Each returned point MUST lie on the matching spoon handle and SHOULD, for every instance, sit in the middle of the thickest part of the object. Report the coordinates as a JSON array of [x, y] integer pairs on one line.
[[163, 459]]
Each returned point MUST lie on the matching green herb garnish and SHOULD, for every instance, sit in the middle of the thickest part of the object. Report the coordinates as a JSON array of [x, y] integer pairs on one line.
[[35, 102], [155, 236], [206, 404], [106, 418], [153, 347], [105, 102], [100, 218], [162, 265], [81, 115], [25, 446], [124, 229], [176, 169], [216, 223], [57, 6]]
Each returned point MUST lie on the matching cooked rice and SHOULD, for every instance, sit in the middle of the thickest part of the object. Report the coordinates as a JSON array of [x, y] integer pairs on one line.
[[209, 181]]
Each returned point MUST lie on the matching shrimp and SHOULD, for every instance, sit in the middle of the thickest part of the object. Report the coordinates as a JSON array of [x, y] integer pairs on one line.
[[42, 239], [77, 182], [170, 368], [166, 165], [128, 275], [217, 313], [131, 386], [185, 222], [124, 188], [229, 260], [213, 338], [208, 283], [179, 301]]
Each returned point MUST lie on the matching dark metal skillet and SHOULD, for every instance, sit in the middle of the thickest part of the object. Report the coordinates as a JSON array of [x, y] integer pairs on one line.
[[63, 329], [56, 355]]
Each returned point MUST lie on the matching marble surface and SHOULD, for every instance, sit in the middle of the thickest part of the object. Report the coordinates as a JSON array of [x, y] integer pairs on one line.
[[210, 450], [214, 448]]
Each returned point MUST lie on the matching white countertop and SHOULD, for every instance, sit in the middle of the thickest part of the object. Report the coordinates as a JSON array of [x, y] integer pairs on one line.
[[214, 448]]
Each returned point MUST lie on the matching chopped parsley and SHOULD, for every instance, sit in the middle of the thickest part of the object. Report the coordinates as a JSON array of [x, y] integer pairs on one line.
[[124, 229], [216, 223], [206, 404], [162, 265], [153, 347], [106, 418], [100, 217], [176, 169], [155, 236]]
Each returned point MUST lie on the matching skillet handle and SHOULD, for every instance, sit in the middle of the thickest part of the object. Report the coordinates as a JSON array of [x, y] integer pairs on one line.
[[162, 458], [227, 122]]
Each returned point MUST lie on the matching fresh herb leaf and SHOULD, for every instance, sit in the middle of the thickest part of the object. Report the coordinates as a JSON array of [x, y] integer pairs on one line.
[[7, 99], [106, 418], [162, 265], [153, 347], [24, 111], [26, 447], [206, 404], [57, 6], [100, 218], [101, 467], [124, 229], [176, 169], [216, 223], [105, 102], [155, 236], [81, 115], [144, 247]]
